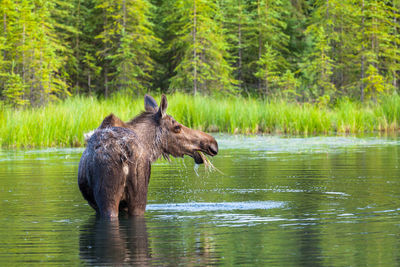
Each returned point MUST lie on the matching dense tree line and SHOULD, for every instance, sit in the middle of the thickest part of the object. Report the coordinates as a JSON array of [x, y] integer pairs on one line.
[[305, 50]]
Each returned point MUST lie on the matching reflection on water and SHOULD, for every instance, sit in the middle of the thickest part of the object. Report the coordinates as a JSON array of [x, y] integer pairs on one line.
[[329, 201], [114, 243]]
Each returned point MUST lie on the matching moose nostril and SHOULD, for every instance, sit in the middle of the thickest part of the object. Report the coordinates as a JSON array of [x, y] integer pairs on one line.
[[214, 148]]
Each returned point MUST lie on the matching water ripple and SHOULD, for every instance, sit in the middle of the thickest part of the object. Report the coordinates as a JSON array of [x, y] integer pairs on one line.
[[222, 206]]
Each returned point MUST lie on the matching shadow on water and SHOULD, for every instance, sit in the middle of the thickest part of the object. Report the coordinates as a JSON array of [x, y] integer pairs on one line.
[[124, 241]]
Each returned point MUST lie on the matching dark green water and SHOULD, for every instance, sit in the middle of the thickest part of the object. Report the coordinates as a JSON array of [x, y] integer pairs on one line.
[[329, 201]]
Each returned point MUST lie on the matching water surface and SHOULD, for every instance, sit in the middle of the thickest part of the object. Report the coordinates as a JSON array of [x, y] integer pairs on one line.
[[319, 201]]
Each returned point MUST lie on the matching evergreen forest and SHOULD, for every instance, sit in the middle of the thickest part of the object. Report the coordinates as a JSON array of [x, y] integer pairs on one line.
[[302, 50]]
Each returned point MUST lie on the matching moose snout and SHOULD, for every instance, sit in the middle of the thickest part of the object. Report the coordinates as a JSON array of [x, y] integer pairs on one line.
[[209, 145], [204, 142], [213, 148]]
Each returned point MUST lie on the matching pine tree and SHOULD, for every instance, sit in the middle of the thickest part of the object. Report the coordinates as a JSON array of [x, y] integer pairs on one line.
[[45, 62], [14, 90], [91, 70], [380, 52], [235, 21], [200, 48], [331, 35], [31, 56], [88, 78], [128, 40], [163, 57], [267, 39], [268, 70], [342, 27], [67, 20], [6, 8], [318, 66], [12, 87]]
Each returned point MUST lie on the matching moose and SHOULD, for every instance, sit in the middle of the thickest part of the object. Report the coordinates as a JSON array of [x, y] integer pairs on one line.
[[114, 170]]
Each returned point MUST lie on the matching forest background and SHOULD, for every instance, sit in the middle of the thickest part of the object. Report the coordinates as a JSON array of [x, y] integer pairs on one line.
[[303, 50], [293, 66]]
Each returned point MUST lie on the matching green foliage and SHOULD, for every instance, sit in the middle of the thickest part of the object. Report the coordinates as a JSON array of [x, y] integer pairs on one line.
[[127, 41], [302, 50], [235, 20], [269, 42], [201, 49], [32, 55], [375, 83], [318, 66], [289, 85], [268, 68], [91, 70], [14, 90]]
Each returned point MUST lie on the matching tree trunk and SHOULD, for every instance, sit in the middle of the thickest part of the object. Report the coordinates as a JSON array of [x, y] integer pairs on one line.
[[124, 67], [5, 32], [5, 38], [259, 43], [124, 14], [77, 55], [395, 44], [105, 63], [23, 52], [89, 84], [240, 46], [41, 87], [106, 82], [362, 52], [194, 48]]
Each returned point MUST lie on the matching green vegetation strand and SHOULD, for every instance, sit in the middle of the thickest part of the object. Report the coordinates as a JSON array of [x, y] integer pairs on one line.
[[64, 124]]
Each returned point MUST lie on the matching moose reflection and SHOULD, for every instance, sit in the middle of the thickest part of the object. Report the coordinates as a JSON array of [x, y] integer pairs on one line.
[[115, 242], [114, 170]]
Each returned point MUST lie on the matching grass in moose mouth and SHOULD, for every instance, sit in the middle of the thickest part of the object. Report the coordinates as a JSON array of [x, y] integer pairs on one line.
[[207, 163]]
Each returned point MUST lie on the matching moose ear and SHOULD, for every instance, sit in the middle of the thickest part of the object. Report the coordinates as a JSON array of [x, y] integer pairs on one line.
[[162, 111], [150, 104]]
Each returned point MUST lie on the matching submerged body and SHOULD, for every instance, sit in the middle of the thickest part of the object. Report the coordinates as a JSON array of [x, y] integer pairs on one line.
[[114, 170]]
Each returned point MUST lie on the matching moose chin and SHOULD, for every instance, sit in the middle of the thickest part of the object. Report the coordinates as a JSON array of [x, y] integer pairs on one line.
[[114, 170]]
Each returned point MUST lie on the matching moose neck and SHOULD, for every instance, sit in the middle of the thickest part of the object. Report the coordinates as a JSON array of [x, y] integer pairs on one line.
[[150, 135]]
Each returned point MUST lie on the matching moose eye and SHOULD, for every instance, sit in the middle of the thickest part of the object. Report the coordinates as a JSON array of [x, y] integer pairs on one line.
[[177, 128]]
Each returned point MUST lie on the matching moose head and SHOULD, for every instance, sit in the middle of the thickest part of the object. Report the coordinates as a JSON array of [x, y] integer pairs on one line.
[[176, 139]]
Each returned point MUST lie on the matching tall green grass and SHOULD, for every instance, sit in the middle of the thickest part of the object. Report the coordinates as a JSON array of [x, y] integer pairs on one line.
[[64, 123]]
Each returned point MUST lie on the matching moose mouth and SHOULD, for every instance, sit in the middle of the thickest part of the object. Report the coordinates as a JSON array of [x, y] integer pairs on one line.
[[198, 159]]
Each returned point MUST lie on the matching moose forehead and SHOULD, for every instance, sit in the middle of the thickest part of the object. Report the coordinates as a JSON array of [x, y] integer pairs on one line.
[[170, 119]]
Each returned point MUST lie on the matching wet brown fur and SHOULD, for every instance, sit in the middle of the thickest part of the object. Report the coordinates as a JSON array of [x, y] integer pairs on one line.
[[112, 121], [114, 170]]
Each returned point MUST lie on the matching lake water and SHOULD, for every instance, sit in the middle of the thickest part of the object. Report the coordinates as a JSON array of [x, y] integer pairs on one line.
[[318, 201]]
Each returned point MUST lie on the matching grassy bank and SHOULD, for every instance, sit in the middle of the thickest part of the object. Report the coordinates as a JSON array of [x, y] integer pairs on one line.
[[63, 124]]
